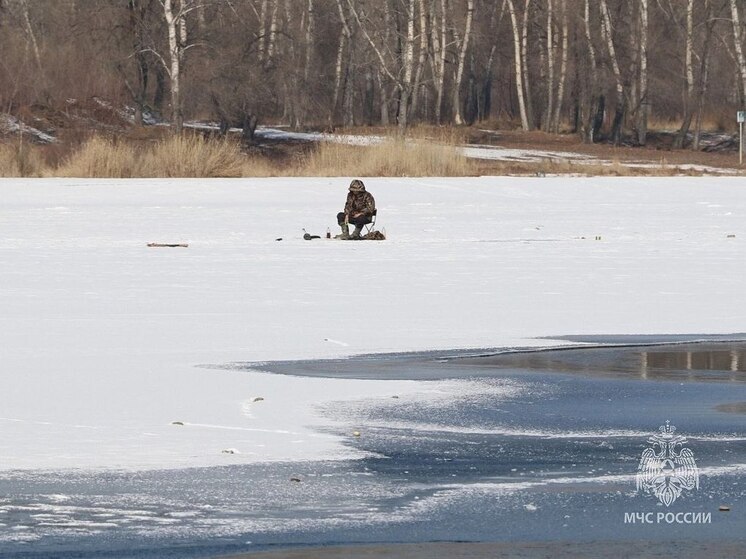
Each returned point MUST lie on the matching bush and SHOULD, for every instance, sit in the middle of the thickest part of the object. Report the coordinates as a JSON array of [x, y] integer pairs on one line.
[[101, 158], [193, 156]]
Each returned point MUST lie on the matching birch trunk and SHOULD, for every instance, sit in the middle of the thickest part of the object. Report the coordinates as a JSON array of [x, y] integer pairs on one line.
[[549, 111], [262, 29], [183, 32], [518, 65], [310, 28], [689, 73], [422, 58], [458, 119], [338, 67], [406, 86], [606, 30], [563, 72], [31, 35], [594, 116], [737, 39], [175, 54], [272, 32], [704, 72], [525, 69]]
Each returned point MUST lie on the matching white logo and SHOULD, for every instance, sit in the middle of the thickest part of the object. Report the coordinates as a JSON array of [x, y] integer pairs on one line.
[[664, 470]]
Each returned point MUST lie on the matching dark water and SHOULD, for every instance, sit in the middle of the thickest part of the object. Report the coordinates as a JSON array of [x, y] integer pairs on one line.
[[536, 446]]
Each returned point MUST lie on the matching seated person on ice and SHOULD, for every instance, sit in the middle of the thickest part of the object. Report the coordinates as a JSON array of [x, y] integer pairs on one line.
[[359, 210]]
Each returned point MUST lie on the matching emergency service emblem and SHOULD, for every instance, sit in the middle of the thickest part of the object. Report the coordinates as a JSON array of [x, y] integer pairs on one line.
[[667, 468]]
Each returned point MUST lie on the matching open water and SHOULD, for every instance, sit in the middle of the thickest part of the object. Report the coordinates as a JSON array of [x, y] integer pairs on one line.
[[538, 446]]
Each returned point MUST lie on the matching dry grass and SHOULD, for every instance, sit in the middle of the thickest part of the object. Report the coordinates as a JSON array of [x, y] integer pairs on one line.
[[20, 160], [428, 151], [715, 121], [100, 158], [176, 156], [195, 157], [391, 158]]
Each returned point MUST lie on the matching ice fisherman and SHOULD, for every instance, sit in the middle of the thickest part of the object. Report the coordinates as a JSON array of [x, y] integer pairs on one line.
[[359, 210]]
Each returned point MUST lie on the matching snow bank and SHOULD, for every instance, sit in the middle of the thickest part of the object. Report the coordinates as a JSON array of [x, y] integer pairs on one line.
[[11, 125], [100, 336]]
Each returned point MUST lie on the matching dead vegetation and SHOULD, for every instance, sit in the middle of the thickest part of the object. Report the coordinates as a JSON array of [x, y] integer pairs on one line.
[[428, 151]]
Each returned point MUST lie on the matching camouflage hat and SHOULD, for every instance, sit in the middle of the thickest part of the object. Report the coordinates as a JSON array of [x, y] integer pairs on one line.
[[357, 186]]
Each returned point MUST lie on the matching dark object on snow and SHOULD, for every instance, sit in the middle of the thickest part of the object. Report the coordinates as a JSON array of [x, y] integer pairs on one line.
[[168, 245], [295, 479], [307, 236], [278, 239], [374, 236]]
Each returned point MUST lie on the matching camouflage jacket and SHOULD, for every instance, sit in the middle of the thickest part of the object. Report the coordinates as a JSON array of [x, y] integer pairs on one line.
[[360, 202]]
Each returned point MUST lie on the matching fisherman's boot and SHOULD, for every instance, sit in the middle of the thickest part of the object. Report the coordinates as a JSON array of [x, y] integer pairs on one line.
[[356, 232], [345, 232]]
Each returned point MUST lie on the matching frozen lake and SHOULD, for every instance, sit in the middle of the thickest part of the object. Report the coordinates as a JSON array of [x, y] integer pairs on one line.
[[522, 453], [127, 409]]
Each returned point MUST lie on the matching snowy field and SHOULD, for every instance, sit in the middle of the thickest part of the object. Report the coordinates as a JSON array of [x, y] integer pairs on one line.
[[101, 337]]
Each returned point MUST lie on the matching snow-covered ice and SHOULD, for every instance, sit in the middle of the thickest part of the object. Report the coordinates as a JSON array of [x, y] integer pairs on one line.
[[101, 337]]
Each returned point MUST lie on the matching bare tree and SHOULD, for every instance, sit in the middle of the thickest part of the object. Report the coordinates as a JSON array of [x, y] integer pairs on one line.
[[440, 45], [549, 109], [607, 33], [525, 73], [738, 42], [689, 77], [563, 71], [457, 118], [644, 101], [518, 65]]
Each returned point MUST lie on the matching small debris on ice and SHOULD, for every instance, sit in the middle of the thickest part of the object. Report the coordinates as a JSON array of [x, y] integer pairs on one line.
[[231, 451], [177, 423], [257, 399], [295, 479], [530, 507]]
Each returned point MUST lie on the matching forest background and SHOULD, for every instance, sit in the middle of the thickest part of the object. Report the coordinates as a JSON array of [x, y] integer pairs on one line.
[[610, 71]]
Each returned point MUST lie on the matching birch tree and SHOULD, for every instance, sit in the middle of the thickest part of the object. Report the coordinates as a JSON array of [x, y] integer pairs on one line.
[[710, 20], [738, 42], [518, 65], [563, 71], [594, 105], [689, 77], [406, 83], [422, 57], [440, 45], [607, 33], [173, 16], [457, 118], [525, 74], [549, 109], [402, 79]]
